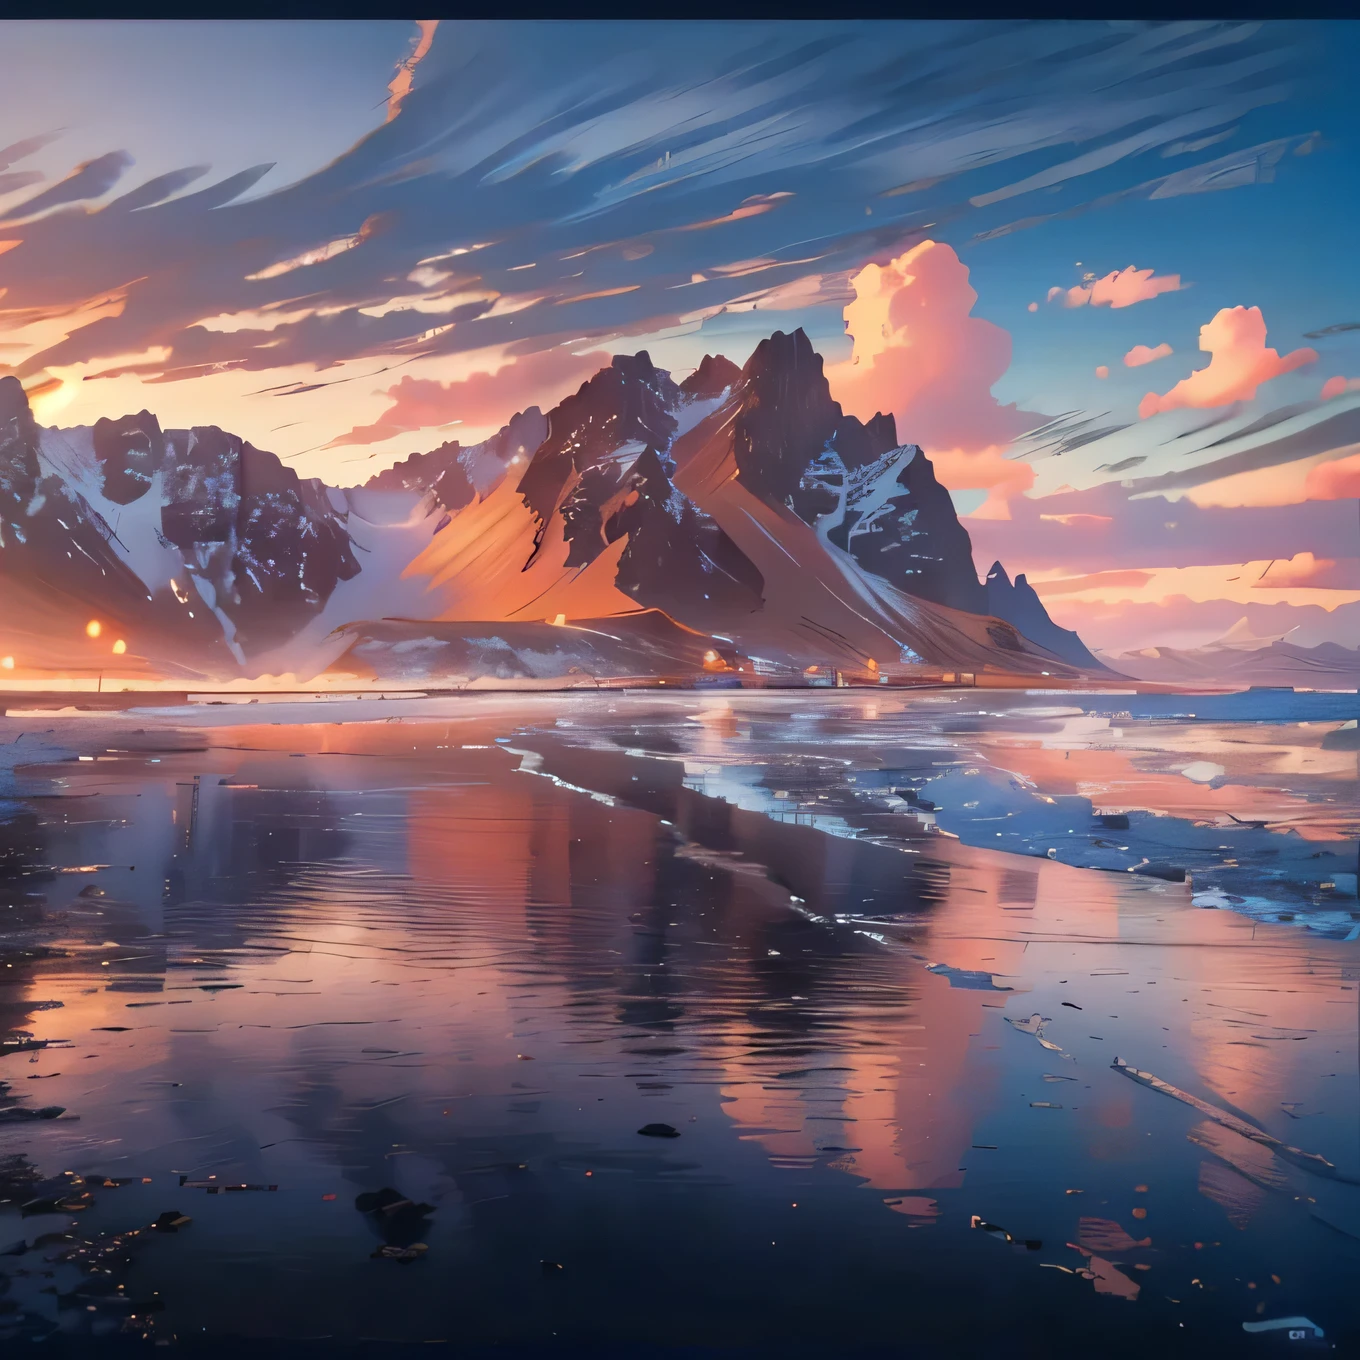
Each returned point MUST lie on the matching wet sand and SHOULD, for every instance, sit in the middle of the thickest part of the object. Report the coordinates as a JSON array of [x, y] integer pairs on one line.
[[469, 954]]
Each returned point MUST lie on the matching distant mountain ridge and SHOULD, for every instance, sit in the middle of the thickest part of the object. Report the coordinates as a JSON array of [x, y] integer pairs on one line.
[[742, 504], [1241, 656]]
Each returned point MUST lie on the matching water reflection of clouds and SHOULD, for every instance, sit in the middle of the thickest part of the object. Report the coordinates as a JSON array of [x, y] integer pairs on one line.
[[446, 969]]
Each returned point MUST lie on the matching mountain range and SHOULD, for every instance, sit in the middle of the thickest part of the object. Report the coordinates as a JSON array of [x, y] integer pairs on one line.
[[736, 521], [1243, 656]]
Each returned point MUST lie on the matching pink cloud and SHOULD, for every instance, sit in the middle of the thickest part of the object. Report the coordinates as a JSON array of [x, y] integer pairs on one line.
[[1338, 480], [920, 354], [479, 400], [1308, 571], [405, 76], [1180, 622], [1121, 288], [1239, 363], [1102, 371], [984, 470], [1141, 354], [1338, 387], [1080, 521]]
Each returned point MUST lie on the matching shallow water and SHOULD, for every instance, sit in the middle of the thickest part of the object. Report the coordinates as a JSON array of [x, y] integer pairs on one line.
[[469, 953]]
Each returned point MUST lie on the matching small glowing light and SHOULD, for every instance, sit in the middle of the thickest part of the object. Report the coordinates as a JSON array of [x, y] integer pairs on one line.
[[119, 647], [710, 655], [7, 663], [93, 628], [873, 665]]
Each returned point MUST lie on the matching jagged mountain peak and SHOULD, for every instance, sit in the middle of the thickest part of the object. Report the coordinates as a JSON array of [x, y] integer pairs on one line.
[[714, 376], [745, 503], [453, 474], [417, 471], [627, 406], [129, 449], [784, 352], [637, 368], [787, 418], [13, 400], [1018, 603]]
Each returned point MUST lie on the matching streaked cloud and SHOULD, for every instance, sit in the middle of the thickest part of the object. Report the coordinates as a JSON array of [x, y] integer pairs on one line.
[[487, 398], [510, 140], [404, 78]]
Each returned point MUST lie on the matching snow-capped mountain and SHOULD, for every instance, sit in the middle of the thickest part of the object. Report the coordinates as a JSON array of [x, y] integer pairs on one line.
[[738, 514]]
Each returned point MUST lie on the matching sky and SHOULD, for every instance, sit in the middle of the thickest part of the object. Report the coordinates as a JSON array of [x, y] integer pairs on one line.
[[1102, 272]]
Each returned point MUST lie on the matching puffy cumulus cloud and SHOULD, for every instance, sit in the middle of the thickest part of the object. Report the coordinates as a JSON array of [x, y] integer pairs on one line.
[[1102, 371], [1338, 480], [1142, 354], [921, 354], [1338, 387], [1239, 363], [481, 400], [1119, 288]]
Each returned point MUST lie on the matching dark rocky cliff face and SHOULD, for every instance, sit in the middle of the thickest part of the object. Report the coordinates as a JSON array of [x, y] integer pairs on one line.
[[788, 420], [419, 471], [786, 417], [630, 401], [267, 545], [265, 550], [912, 536], [130, 450], [1019, 603], [48, 535], [715, 374], [677, 558]]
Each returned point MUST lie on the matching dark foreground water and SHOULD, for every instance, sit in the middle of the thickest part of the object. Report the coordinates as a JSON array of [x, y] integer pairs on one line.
[[466, 954]]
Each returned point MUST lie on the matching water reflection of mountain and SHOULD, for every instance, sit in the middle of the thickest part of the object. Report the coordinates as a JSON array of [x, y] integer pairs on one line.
[[1254, 807], [22, 917], [408, 958]]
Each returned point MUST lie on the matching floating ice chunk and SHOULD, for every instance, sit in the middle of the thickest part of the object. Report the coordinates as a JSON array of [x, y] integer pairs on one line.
[[1297, 1327], [1202, 771]]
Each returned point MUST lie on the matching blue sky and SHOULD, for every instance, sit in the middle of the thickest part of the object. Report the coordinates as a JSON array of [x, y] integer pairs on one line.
[[548, 193]]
